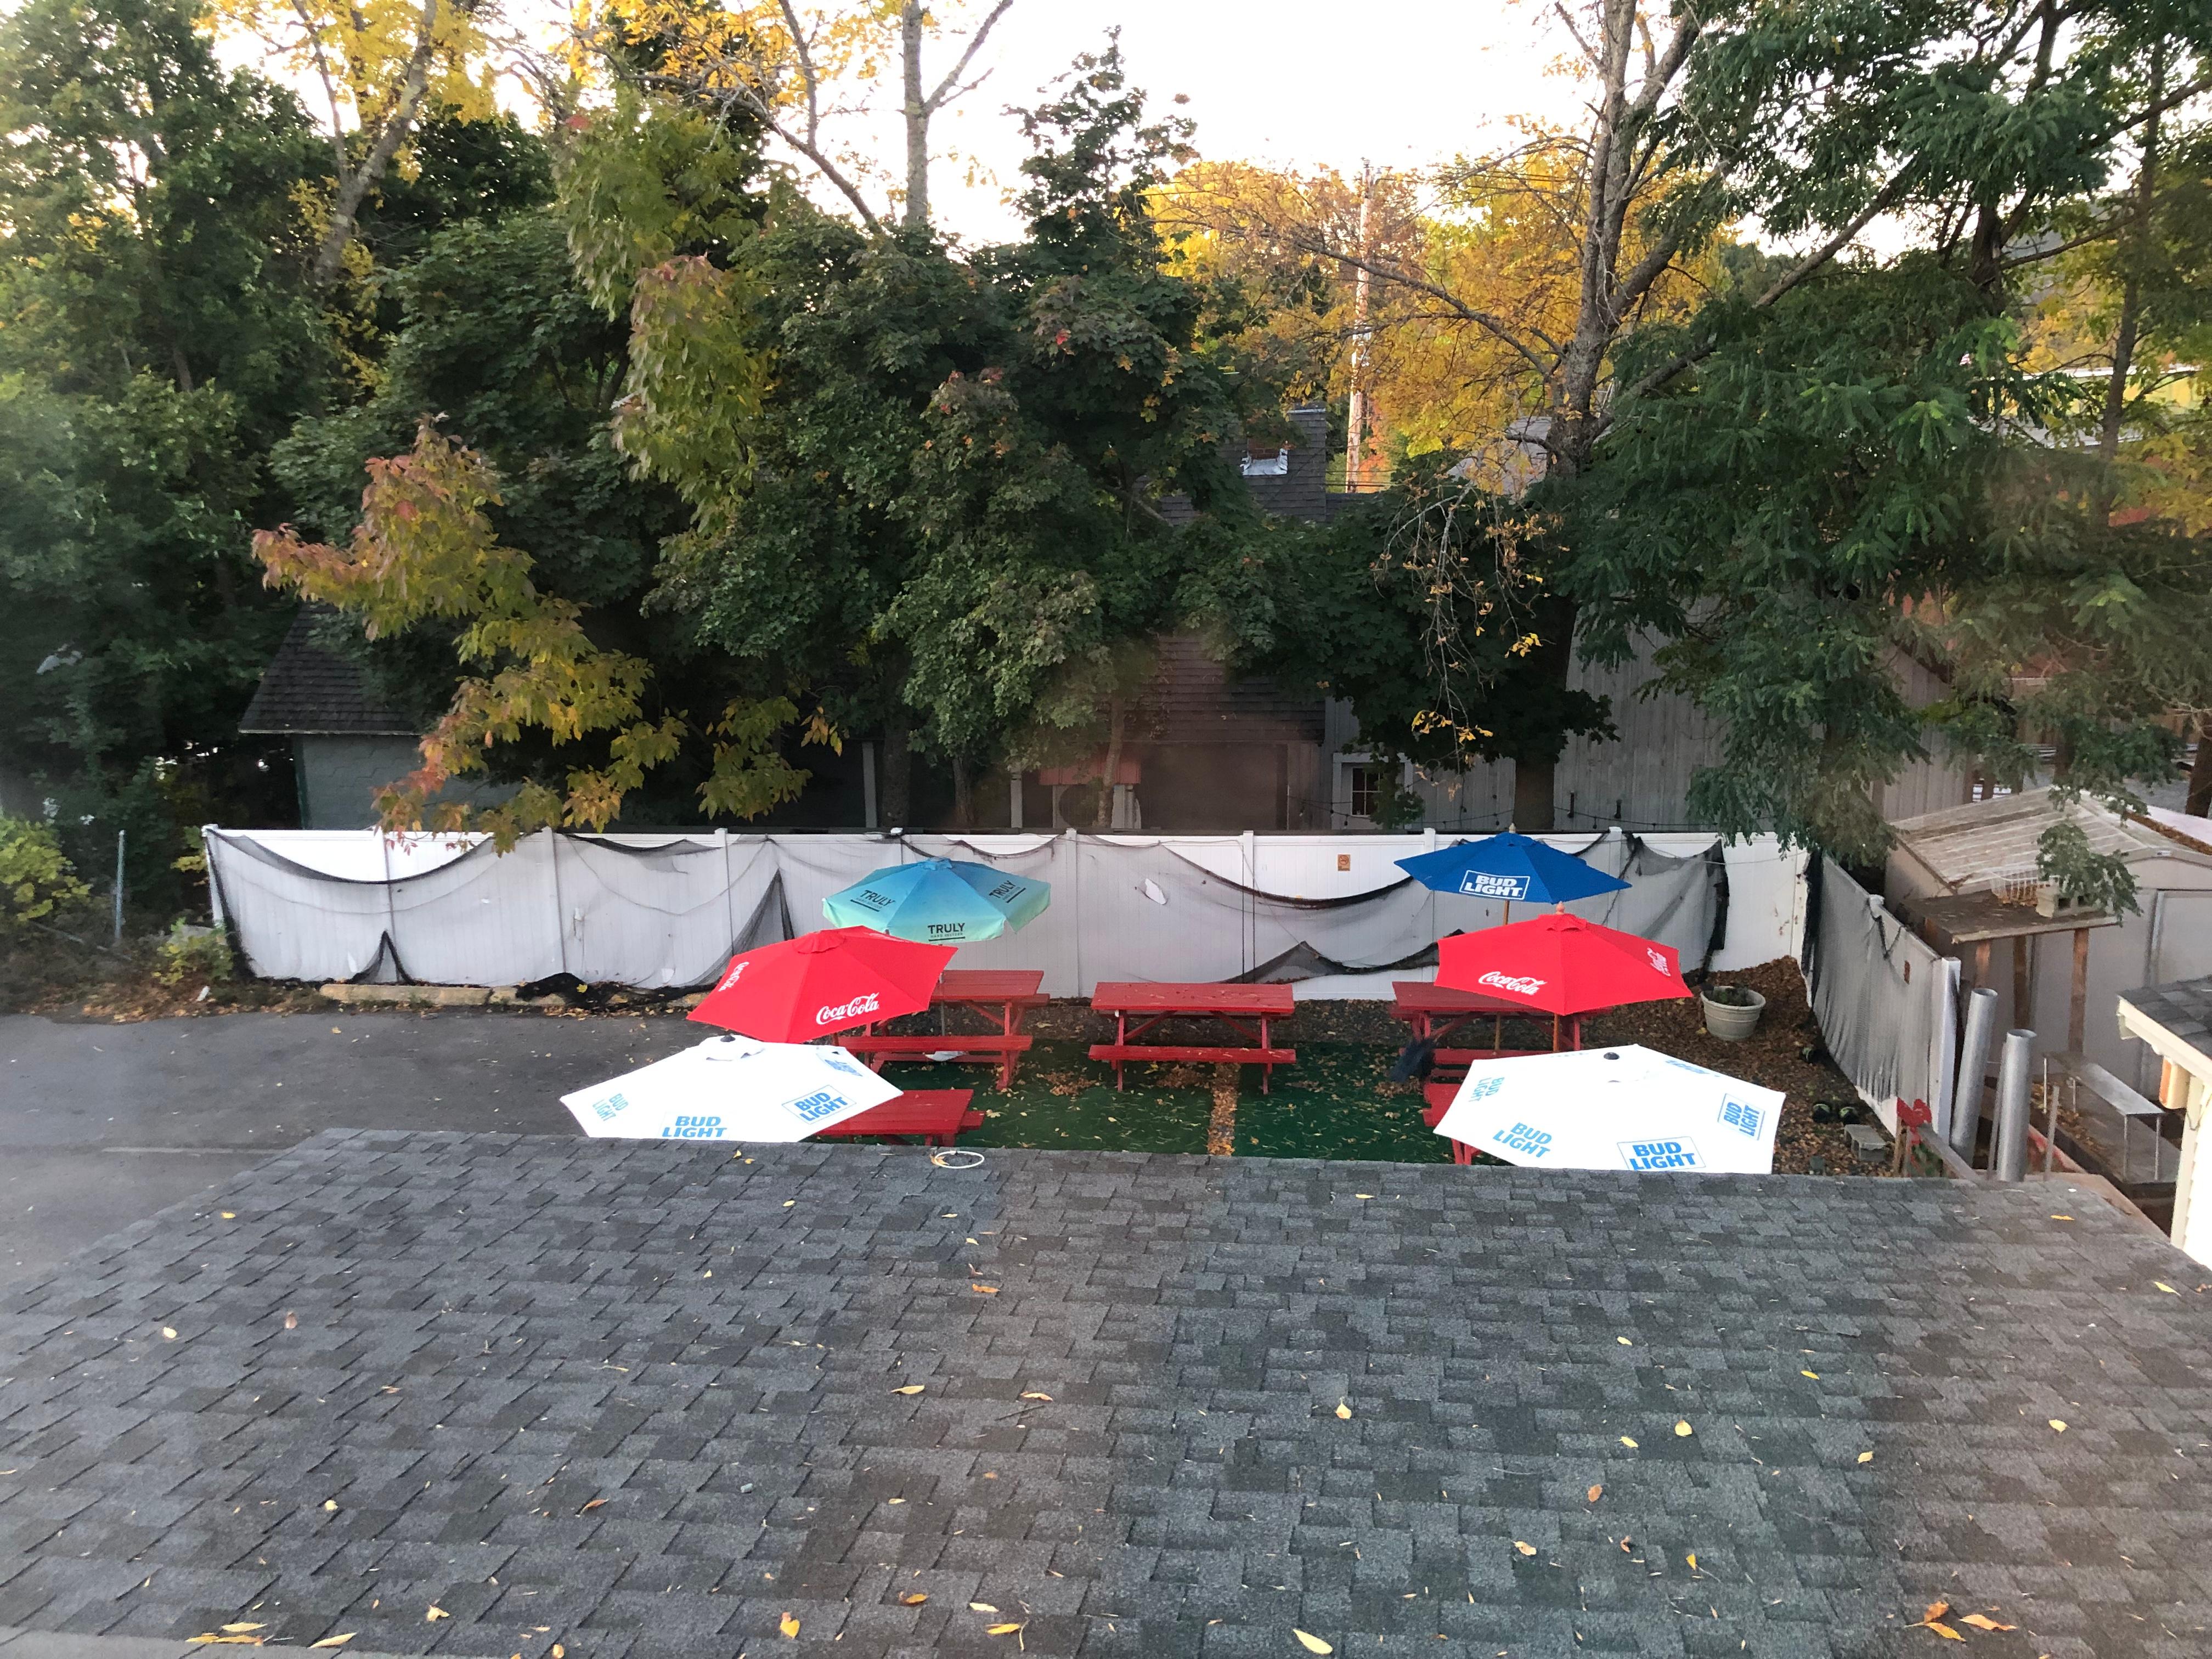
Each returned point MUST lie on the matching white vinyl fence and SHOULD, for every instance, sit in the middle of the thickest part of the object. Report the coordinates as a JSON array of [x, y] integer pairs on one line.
[[661, 911]]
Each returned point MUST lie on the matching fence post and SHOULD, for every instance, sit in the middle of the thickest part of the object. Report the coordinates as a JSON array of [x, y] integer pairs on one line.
[[1973, 1071], [119, 834], [2011, 1157]]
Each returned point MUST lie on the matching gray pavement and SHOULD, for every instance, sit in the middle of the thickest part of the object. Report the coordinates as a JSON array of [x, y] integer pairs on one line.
[[102, 1125]]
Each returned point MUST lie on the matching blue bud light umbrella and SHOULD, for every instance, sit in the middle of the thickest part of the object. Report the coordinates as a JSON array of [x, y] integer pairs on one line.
[[1510, 868], [939, 902]]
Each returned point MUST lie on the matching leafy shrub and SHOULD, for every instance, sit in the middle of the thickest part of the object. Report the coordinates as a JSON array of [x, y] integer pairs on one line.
[[1729, 996], [35, 879], [191, 953]]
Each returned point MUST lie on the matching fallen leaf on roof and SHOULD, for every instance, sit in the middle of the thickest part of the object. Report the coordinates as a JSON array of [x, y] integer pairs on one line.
[[1310, 1643], [329, 1503], [1866, 1457], [1342, 1409], [1935, 1610], [291, 1319], [2167, 1288], [1983, 1621], [788, 1202], [914, 1598], [1626, 1441], [1362, 1195], [1033, 1394], [1943, 1631], [1596, 1492], [788, 1625], [1684, 1429], [981, 1607], [335, 1641], [2061, 1217], [895, 1500], [234, 1629], [1624, 1341], [560, 1652], [1525, 1549], [984, 1289], [1001, 1629], [1815, 1376], [2059, 1423], [435, 1614], [230, 1215], [168, 1333], [911, 1387], [589, 1507], [1693, 1560]]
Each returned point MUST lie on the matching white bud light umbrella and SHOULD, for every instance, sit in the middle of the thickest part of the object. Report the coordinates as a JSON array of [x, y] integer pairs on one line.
[[731, 1088], [1627, 1107]]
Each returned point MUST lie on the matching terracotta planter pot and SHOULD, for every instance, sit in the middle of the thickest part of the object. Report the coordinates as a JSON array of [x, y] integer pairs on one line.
[[1733, 1022]]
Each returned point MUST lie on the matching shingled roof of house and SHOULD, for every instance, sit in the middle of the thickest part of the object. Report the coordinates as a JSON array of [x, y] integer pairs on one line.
[[309, 690], [650, 1401]]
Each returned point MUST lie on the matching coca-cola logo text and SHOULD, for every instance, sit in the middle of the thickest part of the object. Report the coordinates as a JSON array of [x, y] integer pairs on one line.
[[1524, 986], [844, 1011], [731, 978]]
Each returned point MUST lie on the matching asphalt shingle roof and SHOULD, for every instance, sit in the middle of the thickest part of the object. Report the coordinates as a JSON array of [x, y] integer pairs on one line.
[[639, 1398], [309, 690]]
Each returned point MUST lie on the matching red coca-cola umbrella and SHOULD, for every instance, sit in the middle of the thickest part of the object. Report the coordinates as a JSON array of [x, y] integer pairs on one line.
[[820, 982], [1560, 964]]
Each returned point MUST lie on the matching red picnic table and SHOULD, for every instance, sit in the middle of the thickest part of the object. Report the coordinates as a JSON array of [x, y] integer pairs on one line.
[[1011, 992], [935, 1115], [1435, 1013], [1238, 1007]]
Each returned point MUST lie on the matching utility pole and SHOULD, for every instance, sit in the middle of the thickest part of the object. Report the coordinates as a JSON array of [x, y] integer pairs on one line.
[[1355, 446]]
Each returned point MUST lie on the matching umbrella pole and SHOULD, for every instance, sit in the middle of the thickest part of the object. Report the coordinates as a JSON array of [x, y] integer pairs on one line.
[[1555, 1034]]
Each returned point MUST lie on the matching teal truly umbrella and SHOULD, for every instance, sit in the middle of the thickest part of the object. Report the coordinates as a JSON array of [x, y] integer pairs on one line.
[[939, 902]]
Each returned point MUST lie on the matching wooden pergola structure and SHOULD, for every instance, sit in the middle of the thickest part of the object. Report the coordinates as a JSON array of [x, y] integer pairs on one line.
[[1978, 920]]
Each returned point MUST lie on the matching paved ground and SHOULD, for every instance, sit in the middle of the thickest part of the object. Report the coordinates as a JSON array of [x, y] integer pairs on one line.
[[102, 1125], [644, 1401]]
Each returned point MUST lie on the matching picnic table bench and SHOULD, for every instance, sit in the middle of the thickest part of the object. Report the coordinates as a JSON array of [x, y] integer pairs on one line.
[[1005, 995], [1247, 1009], [1435, 1013], [1439, 1097], [935, 1115]]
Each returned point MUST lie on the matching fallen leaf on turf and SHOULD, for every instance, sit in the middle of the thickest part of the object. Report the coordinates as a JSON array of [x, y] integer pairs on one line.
[[1525, 1549], [913, 1599], [1983, 1621], [1596, 1492], [291, 1319], [911, 1387], [1311, 1643], [1001, 1629], [1684, 1429], [1342, 1409], [435, 1614], [2059, 1423], [168, 1333], [788, 1625], [1866, 1457], [2167, 1288], [334, 1641], [1815, 1376], [981, 1607], [234, 1629], [1626, 1441], [1034, 1395]]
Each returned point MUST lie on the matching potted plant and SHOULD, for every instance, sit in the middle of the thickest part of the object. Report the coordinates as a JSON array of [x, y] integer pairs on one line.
[[1732, 1012]]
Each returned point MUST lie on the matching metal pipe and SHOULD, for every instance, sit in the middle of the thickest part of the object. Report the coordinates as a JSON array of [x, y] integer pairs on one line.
[[120, 835], [2013, 1070], [1973, 1071]]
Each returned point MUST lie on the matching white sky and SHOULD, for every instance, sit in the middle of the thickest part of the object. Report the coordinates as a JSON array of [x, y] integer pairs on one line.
[[1399, 82]]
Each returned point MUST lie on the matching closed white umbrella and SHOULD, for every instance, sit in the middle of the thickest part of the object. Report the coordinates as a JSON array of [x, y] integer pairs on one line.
[[731, 1088], [1627, 1107]]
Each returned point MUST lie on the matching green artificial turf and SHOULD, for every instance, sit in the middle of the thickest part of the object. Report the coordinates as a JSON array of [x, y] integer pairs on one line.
[[1337, 1101]]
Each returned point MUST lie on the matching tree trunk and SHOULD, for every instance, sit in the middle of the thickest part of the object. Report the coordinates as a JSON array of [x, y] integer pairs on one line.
[[2123, 338], [1532, 795], [1104, 819], [399, 122], [916, 112], [898, 775], [2199, 803]]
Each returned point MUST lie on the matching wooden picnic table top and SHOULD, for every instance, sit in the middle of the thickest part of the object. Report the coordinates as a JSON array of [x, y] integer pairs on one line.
[[1168, 997], [1418, 996], [987, 984]]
